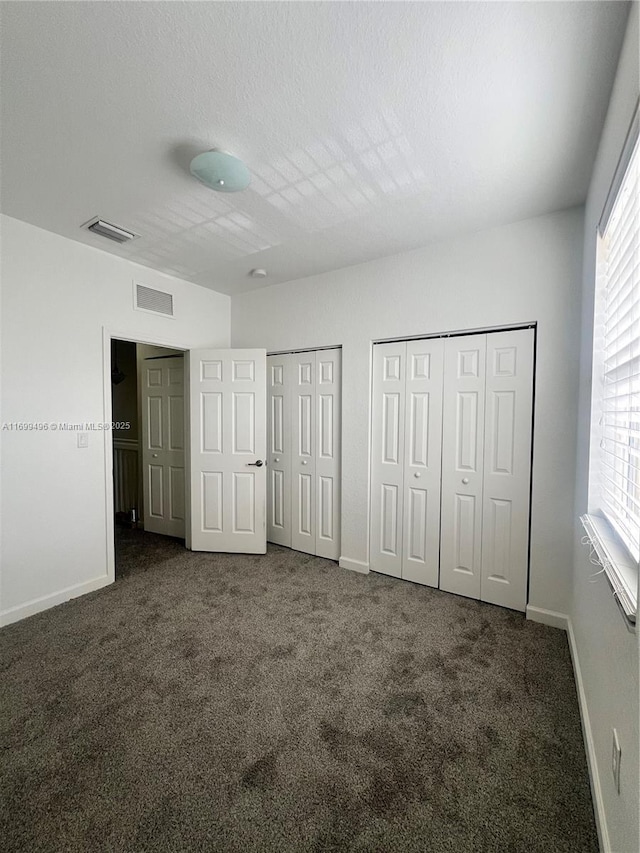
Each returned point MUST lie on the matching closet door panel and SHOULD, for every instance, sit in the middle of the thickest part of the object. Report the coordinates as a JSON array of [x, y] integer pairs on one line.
[[327, 453], [422, 461], [462, 464], [388, 458], [507, 466], [279, 376], [303, 468]]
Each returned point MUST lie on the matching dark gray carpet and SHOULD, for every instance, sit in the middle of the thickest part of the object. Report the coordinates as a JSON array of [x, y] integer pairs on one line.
[[280, 703]]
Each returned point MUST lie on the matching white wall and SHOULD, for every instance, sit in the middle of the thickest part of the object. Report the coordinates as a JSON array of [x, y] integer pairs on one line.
[[529, 271], [56, 297], [607, 653]]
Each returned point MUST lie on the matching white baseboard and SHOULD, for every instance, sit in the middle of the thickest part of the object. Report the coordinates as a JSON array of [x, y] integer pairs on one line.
[[596, 790], [548, 617], [354, 565], [561, 620], [37, 605]]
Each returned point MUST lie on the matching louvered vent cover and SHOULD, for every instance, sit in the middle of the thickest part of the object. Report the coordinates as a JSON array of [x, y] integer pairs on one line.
[[111, 232], [148, 299]]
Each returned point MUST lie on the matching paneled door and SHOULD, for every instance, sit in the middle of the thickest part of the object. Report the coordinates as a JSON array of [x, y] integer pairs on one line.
[[163, 445], [279, 435], [228, 444], [304, 406], [405, 471], [462, 464], [507, 465], [303, 457], [422, 461], [387, 467], [451, 463], [327, 442]]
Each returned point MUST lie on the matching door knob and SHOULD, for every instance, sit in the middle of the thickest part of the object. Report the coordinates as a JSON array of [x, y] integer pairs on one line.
[[258, 464], [276, 458], [417, 474], [465, 480], [304, 461], [155, 455]]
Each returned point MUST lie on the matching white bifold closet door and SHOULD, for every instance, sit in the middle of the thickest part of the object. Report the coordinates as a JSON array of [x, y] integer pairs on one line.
[[405, 471], [451, 461], [507, 468], [462, 464], [304, 451], [486, 465], [279, 449]]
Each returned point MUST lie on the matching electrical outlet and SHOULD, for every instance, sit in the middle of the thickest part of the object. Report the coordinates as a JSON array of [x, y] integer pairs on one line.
[[616, 756], [83, 439]]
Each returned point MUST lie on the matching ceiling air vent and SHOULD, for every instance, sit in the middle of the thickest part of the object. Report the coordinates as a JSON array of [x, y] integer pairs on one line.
[[157, 301], [111, 232]]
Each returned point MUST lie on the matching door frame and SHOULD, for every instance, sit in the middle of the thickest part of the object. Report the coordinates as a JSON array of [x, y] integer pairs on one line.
[[508, 327], [119, 334]]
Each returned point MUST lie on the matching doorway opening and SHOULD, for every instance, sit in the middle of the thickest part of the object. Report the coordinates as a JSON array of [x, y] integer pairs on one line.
[[148, 447]]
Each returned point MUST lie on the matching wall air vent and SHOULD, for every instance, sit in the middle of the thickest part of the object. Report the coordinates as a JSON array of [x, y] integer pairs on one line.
[[156, 301], [111, 232]]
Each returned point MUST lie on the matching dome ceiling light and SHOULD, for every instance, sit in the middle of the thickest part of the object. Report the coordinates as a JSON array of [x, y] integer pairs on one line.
[[221, 171]]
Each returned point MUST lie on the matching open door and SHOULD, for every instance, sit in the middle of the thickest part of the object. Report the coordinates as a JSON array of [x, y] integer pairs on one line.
[[162, 397], [228, 448]]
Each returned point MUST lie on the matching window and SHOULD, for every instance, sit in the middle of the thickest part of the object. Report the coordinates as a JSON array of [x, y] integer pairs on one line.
[[614, 522], [620, 437]]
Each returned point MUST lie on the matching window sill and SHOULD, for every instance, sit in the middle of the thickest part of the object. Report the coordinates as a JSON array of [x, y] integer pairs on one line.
[[619, 568]]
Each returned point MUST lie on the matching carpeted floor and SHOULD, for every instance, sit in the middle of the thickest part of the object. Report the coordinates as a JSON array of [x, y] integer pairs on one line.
[[260, 704]]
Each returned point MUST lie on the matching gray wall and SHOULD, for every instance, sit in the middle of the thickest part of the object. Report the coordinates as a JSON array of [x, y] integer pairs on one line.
[[607, 654]]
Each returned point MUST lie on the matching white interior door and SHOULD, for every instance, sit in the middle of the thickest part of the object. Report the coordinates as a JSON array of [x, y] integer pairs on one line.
[[507, 466], [328, 450], [303, 456], [228, 443], [387, 462], [163, 445], [462, 464], [422, 461], [304, 439], [279, 434]]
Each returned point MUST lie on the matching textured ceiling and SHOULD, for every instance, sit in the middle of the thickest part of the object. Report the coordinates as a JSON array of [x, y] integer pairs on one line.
[[369, 128]]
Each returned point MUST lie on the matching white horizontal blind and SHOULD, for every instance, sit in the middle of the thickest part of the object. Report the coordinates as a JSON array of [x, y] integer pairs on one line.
[[620, 442]]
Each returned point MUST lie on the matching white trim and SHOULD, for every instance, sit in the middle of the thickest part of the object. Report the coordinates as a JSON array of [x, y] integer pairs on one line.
[[620, 569], [37, 605], [354, 565], [548, 617], [622, 165], [587, 734]]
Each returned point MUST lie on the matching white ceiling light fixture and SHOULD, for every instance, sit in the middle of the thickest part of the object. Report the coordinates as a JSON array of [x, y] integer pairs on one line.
[[221, 171], [258, 273]]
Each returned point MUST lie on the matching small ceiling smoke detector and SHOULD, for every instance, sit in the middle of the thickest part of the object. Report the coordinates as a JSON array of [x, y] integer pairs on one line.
[[111, 232], [221, 171], [259, 273]]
